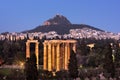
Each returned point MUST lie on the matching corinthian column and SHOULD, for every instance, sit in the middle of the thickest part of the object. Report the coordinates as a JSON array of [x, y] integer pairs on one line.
[[37, 53], [45, 57], [66, 56], [68, 47], [27, 50], [49, 57], [53, 56], [58, 57]]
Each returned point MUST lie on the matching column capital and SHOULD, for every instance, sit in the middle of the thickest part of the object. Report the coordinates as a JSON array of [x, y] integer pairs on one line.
[[37, 42], [27, 43]]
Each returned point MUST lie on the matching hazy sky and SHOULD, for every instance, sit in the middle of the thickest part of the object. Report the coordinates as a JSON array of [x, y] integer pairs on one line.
[[20, 15]]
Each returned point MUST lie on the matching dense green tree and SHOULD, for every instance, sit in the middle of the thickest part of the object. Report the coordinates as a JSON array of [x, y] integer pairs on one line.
[[117, 55], [98, 54], [10, 50], [45, 74], [31, 68], [61, 74], [91, 62], [1, 48], [6, 51], [72, 65], [108, 61], [83, 49]]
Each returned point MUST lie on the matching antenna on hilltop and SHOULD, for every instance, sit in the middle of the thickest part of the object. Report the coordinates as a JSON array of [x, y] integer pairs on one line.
[[59, 14]]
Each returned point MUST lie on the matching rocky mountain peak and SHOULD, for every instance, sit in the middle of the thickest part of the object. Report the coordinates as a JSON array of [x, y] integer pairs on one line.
[[57, 20]]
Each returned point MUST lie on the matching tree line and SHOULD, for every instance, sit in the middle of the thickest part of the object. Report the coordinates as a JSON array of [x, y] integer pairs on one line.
[[105, 54]]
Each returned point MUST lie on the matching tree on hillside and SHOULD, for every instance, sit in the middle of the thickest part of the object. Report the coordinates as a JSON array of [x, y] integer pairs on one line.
[[72, 65]]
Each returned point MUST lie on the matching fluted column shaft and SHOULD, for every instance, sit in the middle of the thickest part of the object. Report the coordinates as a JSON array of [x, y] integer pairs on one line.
[[37, 53], [49, 57], [53, 56], [58, 58], [27, 50], [45, 57], [68, 47], [66, 56]]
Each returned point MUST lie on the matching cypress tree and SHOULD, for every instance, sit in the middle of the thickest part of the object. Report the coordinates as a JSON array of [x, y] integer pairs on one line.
[[109, 64], [72, 66], [117, 56], [31, 68]]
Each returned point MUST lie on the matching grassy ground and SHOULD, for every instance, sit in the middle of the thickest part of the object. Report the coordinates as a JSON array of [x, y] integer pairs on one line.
[[5, 71], [11, 74]]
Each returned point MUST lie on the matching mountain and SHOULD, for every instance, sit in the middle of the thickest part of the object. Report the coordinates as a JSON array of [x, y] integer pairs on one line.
[[57, 20], [60, 24]]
